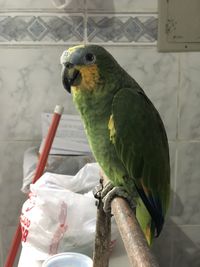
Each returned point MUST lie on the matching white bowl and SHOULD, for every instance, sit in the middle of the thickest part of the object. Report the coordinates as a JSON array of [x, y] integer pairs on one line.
[[68, 259]]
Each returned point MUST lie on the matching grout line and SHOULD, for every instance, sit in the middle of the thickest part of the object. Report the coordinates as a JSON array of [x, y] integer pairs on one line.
[[37, 45], [188, 225], [132, 44], [118, 14], [21, 140], [59, 12], [85, 5], [171, 251], [40, 44], [176, 151], [175, 178], [53, 13], [39, 10], [190, 141], [85, 22], [178, 97], [38, 140], [1, 247], [123, 13]]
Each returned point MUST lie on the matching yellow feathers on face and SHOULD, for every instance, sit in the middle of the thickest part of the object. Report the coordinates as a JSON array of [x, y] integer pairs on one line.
[[89, 76]]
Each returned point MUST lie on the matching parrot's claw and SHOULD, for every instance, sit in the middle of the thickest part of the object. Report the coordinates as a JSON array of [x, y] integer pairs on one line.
[[109, 192], [97, 192], [106, 189]]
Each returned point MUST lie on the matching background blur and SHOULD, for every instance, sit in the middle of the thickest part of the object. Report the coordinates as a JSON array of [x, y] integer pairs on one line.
[[33, 35]]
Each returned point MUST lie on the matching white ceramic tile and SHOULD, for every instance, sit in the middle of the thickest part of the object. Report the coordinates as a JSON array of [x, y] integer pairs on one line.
[[162, 247], [30, 83], [186, 243], [37, 73], [11, 168], [178, 246], [187, 206], [189, 125], [158, 76], [122, 6], [44, 4]]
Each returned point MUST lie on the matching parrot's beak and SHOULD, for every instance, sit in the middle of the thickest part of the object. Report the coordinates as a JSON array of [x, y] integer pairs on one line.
[[70, 76]]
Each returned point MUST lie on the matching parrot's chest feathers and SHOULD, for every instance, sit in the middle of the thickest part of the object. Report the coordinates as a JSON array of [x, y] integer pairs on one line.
[[96, 114]]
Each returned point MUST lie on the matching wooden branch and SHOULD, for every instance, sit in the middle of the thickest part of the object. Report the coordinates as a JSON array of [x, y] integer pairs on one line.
[[133, 238], [102, 238]]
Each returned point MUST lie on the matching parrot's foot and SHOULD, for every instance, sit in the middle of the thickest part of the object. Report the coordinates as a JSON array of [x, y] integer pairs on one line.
[[108, 193], [97, 192]]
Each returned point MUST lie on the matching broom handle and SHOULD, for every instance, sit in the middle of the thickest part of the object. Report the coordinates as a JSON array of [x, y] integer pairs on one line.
[[38, 173], [48, 143]]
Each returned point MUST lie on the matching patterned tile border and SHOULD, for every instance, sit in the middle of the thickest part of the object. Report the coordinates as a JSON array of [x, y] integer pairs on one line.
[[62, 29], [41, 29], [122, 29]]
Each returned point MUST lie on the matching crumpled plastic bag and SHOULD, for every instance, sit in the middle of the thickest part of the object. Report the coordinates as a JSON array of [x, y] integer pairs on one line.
[[60, 214], [60, 164]]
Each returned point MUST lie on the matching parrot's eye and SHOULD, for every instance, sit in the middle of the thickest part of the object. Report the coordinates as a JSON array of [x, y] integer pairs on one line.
[[89, 58]]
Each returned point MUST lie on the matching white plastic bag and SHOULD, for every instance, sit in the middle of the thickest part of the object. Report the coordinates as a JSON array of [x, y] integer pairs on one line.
[[60, 214], [60, 164]]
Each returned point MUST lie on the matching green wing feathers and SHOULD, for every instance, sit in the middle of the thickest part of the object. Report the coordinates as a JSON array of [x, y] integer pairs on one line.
[[139, 137]]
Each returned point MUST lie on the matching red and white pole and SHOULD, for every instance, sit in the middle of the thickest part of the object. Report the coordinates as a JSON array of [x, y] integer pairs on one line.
[[38, 173]]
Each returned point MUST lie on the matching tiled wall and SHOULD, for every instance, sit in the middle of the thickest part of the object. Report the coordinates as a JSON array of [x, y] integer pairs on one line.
[[33, 35]]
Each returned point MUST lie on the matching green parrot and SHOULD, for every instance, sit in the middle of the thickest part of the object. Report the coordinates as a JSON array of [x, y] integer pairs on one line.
[[124, 130]]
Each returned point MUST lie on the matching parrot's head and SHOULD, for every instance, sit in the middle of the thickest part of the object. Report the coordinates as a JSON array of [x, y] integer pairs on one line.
[[86, 66]]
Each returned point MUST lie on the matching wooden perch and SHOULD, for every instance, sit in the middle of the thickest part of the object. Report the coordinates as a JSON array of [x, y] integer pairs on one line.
[[137, 249], [134, 241], [102, 238]]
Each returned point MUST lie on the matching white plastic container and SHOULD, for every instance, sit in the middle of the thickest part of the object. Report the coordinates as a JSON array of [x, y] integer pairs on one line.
[[68, 259]]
